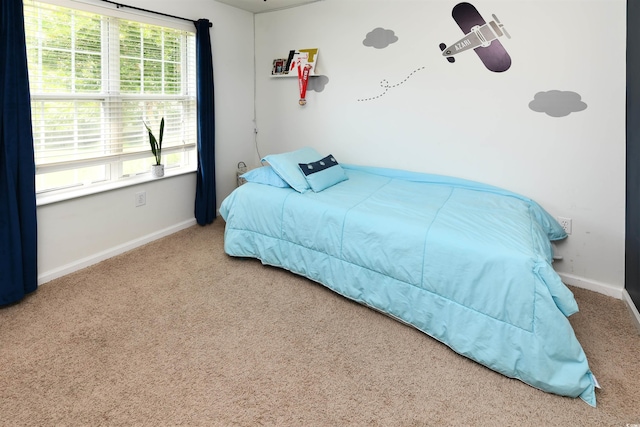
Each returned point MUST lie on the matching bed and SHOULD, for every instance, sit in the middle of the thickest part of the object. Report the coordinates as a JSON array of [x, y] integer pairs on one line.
[[466, 263]]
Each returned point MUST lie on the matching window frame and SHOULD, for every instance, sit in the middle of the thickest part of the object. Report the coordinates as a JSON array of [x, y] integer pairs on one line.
[[115, 178]]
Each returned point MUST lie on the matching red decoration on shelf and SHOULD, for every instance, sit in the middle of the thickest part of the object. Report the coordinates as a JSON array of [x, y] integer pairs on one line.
[[303, 81]]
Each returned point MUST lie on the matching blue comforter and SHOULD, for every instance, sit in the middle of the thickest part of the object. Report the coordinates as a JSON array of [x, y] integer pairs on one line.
[[466, 263]]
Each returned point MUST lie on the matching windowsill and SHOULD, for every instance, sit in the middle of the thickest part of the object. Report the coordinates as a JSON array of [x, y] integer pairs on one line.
[[61, 196]]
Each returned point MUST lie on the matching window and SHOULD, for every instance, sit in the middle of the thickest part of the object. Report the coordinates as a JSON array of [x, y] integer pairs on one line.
[[95, 80]]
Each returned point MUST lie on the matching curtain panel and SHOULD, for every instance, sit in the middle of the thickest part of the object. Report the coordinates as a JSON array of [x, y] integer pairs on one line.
[[205, 204], [18, 229]]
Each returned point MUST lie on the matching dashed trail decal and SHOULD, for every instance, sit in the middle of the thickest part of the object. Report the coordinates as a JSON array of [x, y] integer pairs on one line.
[[385, 84]]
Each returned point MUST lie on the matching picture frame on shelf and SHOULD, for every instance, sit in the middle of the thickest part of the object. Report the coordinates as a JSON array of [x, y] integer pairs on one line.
[[279, 67]]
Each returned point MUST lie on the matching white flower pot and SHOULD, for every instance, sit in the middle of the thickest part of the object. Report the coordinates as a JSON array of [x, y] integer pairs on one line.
[[157, 171]]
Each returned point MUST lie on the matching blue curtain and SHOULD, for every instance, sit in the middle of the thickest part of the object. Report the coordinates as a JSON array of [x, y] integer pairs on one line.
[[18, 234], [205, 207]]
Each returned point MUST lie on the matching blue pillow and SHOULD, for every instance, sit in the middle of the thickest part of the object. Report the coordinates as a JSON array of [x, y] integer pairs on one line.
[[265, 175], [286, 166], [323, 174]]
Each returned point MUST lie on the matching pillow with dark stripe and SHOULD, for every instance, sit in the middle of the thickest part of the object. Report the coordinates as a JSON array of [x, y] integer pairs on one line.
[[323, 174]]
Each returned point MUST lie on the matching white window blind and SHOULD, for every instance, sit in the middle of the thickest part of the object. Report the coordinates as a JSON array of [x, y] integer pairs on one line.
[[95, 80]]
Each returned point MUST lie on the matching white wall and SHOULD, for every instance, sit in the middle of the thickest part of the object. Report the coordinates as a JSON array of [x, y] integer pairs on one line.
[[79, 232], [455, 119], [461, 119], [76, 233]]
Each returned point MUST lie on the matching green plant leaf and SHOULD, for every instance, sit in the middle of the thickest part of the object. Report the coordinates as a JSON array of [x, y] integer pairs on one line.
[[156, 147], [159, 157]]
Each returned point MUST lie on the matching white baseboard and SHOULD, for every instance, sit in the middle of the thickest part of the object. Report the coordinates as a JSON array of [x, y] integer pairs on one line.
[[632, 308], [603, 288], [47, 276], [592, 285]]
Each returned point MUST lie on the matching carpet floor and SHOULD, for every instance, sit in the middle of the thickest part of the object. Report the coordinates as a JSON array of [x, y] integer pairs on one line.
[[177, 333]]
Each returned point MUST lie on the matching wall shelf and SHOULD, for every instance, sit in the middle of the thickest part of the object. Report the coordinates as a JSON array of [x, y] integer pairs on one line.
[[281, 76]]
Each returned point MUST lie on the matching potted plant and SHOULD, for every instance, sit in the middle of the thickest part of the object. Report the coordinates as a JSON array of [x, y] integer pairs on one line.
[[157, 170]]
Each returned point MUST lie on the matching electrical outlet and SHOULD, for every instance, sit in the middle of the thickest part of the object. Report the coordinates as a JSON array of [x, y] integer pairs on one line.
[[565, 223], [141, 198]]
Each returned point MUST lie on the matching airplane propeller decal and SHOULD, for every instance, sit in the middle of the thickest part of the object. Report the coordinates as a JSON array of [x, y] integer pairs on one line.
[[480, 36]]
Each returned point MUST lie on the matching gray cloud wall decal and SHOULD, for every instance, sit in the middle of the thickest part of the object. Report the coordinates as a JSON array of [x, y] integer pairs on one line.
[[557, 103], [380, 38], [317, 83]]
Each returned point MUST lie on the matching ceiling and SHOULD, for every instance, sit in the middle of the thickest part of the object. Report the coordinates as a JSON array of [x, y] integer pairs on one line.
[[259, 6]]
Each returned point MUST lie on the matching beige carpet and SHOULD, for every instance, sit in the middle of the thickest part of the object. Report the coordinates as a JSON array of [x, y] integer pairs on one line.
[[178, 333]]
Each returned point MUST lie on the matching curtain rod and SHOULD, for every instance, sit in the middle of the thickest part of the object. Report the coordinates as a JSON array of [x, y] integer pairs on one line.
[[119, 5]]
